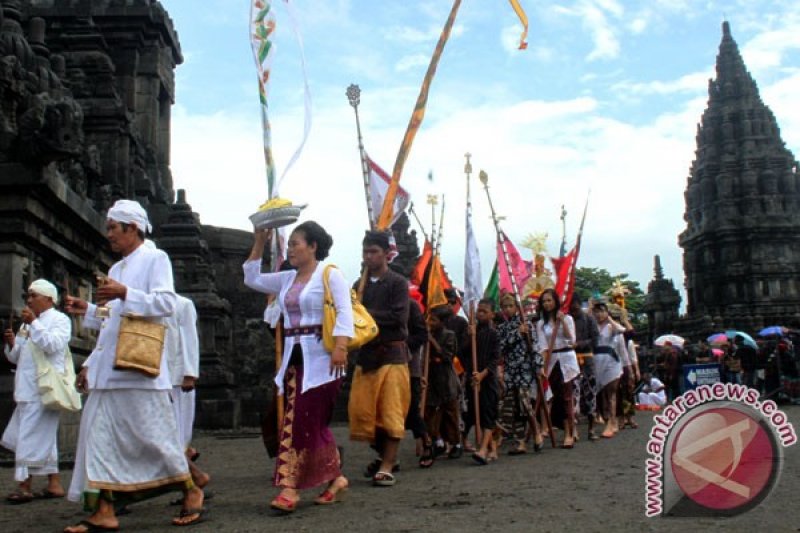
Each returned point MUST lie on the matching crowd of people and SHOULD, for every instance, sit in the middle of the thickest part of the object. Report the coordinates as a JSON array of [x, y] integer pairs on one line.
[[460, 386], [767, 363]]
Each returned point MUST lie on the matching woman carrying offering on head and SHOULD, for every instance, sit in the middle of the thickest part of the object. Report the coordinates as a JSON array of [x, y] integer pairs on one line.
[[309, 377]]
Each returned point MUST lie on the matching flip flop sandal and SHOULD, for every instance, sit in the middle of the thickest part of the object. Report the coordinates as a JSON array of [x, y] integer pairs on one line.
[[185, 513], [45, 494], [481, 460], [19, 497], [94, 528], [427, 459], [383, 479], [207, 495]]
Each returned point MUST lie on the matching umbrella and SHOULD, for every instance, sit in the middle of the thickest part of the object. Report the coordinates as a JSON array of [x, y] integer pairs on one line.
[[772, 330], [747, 338], [717, 338], [675, 340]]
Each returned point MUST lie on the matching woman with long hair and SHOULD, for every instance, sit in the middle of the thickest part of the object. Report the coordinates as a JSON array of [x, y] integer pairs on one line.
[[309, 377], [556, 334]]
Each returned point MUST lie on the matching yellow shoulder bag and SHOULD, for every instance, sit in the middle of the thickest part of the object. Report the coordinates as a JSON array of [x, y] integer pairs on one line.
[[364, 327]]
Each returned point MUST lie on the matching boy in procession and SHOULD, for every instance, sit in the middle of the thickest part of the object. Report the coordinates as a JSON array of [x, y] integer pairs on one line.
[[485, 378]]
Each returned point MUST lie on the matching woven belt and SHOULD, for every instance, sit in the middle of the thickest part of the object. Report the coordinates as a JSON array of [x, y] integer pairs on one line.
[[563, 350], [304, 330]]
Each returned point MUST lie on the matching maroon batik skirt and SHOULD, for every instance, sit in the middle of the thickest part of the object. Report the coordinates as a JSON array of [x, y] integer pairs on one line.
[[307, 453]]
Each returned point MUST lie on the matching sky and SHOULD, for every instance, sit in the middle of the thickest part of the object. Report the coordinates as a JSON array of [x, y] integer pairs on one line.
[[606, 98]]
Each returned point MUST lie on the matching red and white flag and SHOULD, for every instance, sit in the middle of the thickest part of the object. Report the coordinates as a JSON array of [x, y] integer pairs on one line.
[[378, 185]]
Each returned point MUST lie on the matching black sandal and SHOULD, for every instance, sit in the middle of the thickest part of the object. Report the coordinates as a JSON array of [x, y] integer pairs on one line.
[[427, 458]]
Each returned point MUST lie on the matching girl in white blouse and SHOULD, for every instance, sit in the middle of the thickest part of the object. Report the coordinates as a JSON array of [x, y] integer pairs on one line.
[[560, 361]]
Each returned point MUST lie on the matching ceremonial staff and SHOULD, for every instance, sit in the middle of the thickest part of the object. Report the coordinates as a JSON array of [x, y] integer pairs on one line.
[[476, 386], [433, 200], [541, 404], [419, 222], [354, 97], [470, 297], [441, 228]]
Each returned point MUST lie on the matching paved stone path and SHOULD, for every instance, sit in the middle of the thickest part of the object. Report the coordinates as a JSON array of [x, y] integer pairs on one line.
[[594, 487]]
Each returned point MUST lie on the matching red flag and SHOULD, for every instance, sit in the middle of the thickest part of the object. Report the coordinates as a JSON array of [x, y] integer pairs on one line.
[[418, 274], [519, 267], [565, 269]]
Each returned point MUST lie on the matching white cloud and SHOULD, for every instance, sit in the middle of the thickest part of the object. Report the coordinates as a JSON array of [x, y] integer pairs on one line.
[[696, 82], [595, 18], [412, 62]]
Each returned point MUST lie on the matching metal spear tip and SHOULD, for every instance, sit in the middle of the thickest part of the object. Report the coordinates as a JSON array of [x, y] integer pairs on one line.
[[484, 177], [354, 94]]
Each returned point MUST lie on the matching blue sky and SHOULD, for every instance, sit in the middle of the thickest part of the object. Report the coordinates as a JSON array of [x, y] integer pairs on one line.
[[606, 97]]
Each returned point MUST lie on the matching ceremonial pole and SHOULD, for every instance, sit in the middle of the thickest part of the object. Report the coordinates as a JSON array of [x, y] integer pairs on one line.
[[419, 222], [278, 362], [354, 97], [425, 368], [476, 386], [433, 200], [502, 240], [563, 251], [441, 228]]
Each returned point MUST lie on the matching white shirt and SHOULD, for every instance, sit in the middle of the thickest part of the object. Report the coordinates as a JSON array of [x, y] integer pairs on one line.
[[565, 340], [316, 361], [182, 343], [147, 273], [51, 332], [607, 334]]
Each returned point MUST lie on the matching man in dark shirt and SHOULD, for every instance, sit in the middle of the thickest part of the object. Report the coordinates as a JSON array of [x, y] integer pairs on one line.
[[380, 393], [585, 341]]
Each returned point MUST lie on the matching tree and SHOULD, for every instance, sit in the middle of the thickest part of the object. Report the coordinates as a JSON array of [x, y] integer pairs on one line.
[[592, 283]]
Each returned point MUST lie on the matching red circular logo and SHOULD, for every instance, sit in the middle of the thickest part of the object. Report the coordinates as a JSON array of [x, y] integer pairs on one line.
[[725, 459]]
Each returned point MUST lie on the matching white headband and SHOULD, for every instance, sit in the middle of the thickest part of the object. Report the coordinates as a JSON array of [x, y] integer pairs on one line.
[[127, 211], [45, 288]]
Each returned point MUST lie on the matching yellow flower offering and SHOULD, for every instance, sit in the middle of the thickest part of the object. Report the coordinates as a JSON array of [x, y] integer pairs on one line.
[[274, 203]]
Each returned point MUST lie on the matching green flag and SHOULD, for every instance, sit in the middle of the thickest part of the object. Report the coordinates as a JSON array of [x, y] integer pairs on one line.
[[493, 287]]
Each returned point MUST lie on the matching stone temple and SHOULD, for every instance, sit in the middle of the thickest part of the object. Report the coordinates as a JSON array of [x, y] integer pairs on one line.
[[742, 238], [86, 90]]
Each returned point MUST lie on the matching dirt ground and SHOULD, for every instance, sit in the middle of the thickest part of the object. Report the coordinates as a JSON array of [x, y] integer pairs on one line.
[[594, 487]]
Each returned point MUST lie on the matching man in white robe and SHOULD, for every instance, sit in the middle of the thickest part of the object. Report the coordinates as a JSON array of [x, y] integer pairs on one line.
[[128, 445], [33, 430], [184, 369]]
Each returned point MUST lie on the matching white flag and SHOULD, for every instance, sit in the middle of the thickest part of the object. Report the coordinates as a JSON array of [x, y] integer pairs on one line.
[[473, 286]]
